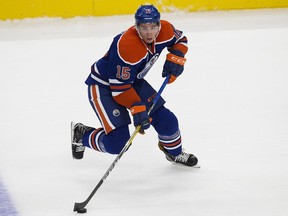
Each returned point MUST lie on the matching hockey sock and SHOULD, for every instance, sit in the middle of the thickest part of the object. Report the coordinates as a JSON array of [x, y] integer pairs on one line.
[[166, 125], [172, 144], [92, 139], [112, 142]]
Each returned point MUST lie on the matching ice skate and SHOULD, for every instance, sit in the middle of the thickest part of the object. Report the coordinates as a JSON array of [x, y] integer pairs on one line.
[[77, 132], [184, 158]]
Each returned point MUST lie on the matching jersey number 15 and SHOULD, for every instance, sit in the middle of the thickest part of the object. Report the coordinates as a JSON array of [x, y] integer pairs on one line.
[[123, 72]]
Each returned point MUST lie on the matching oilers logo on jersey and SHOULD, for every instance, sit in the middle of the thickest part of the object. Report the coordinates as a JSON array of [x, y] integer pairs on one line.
[[147, 67]]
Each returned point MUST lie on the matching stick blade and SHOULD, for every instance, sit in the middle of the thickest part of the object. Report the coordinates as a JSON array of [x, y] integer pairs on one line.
[[79, 208]]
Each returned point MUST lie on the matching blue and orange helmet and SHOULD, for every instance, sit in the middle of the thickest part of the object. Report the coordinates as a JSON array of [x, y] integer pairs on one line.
[[147, 14]]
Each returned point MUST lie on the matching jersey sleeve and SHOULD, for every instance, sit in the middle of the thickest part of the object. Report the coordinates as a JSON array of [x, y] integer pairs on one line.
[[181, 42], [178, 39]]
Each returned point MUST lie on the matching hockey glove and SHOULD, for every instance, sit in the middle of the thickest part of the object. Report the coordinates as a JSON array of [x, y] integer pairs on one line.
[[174, 65], [140, 116]]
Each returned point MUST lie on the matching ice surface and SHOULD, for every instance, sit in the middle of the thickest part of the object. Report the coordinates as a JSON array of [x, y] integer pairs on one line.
[[231, 101]]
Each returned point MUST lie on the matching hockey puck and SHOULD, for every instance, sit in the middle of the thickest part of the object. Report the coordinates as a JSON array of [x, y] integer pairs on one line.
[[81, 210]]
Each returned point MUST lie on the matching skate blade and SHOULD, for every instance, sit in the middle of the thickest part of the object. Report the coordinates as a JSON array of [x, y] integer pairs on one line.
[[182, 165], [72, 131]]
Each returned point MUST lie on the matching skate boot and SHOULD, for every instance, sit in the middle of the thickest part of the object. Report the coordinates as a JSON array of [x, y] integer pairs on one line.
[[184, 158], [77, 132]]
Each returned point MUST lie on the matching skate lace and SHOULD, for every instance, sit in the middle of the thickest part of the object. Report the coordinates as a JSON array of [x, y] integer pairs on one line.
[[183, 157]]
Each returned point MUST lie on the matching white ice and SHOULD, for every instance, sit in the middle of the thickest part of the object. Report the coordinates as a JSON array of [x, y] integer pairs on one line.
[[231, 102]]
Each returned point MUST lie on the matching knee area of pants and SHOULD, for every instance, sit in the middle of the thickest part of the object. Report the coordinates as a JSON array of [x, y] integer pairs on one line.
[[116, 140], [165, 121], [114, 147]]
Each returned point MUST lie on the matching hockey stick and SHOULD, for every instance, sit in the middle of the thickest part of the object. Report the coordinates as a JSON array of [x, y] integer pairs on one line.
[[80, 207]]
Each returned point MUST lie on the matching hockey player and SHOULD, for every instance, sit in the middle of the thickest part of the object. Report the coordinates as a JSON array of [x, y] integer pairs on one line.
[[116, 85]]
